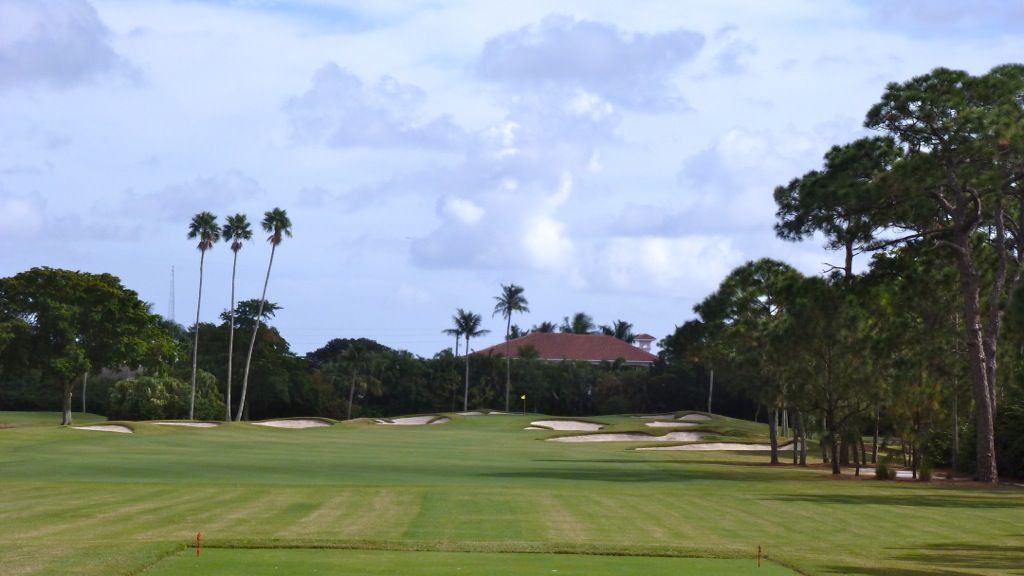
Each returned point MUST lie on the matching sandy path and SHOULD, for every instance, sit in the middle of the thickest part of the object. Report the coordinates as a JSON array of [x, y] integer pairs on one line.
[[189, 424], [660, 424], [694, 418], [106, 428], [712, 446], [632, 437], [410, 420], [567, 425], [300, 423]]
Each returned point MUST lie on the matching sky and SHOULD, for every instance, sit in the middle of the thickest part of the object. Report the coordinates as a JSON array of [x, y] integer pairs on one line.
[[615, 158]]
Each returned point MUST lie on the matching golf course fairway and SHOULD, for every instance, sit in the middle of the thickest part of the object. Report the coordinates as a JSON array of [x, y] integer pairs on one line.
[[473, 495]]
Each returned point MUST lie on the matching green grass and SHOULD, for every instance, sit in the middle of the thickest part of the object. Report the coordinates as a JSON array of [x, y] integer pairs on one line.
[[276, 562], [476, 490]]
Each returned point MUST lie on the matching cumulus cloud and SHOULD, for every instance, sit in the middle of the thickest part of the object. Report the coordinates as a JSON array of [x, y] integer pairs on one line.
[[179, 202], [741, 169], [666, 264], [341, 111], [561, 53], [60, 43]]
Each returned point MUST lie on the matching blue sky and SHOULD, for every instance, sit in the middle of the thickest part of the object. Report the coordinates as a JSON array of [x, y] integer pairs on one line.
[[616, 158]]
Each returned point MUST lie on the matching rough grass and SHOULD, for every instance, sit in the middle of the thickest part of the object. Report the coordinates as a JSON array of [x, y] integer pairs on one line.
[[78, 502]]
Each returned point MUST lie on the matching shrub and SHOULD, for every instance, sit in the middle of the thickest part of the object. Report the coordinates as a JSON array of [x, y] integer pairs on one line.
[[164, 397], [885, 469], [924, 471]]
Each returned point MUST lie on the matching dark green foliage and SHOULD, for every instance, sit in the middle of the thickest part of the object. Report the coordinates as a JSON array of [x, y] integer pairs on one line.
[[163, 397]]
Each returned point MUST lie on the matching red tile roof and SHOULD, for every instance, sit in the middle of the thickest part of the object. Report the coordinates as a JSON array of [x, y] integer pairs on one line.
[[582, 347], [645, 337]]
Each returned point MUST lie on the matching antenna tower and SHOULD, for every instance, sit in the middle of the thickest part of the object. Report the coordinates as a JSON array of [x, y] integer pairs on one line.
[[170, 307]]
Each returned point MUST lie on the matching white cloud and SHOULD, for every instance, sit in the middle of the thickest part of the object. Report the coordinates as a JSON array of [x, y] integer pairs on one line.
[[689, 265], [560, 52], [342, 112], [464, 211], [60, 43]]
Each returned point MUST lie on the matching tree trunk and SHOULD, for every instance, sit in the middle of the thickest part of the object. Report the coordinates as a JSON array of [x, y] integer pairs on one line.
[[796, 439], [195, 347], [874, 441], [66, 412], [711, 389], [252, 341], [773, 435], [802, 433], [465, 394], [508, 360], [833, 441], [863, 451], [978, 366], [956, 431], [990, 334], [231, 337], [85, 388]]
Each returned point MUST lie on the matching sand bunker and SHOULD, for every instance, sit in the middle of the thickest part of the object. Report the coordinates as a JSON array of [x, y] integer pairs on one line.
[[535, 428], [189, 424], [298, 423], [660, 424], [106, 428], [495, 413], [470, 413], [411, 420], [567, 425], [632, 437], [712, 446], [694, 418]]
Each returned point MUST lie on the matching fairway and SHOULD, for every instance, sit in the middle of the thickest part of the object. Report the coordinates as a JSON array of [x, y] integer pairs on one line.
[[478, 492]]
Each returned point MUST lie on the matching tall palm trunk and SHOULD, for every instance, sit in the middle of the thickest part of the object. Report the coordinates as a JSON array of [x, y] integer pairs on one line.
[[195, 346], [465, 394], [508, 360], [252, 341], [231, 337]]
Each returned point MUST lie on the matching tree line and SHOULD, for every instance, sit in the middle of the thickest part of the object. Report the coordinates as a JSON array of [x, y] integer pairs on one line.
[[937, 200]]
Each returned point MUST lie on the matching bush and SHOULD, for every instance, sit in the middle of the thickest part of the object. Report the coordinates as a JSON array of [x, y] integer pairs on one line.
[[924, 471], [163, 398], [882, 470]]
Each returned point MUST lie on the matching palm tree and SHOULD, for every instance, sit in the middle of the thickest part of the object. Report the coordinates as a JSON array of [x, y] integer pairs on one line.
[[579, 324], [544, 327], [236, 231], [510, 300], [203, 226], [277, 223], [454, 332], [620, 329], [469, 324]]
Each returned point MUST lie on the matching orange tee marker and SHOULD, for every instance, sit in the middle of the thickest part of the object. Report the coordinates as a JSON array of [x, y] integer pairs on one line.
[[199, 543]]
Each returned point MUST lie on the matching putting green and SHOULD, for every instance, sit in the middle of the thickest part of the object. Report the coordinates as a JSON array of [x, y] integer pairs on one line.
[[278, 562]]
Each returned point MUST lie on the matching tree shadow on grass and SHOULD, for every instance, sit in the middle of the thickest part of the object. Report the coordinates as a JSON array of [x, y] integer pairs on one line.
[[948, 559], [616, 474], [951, 500]]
